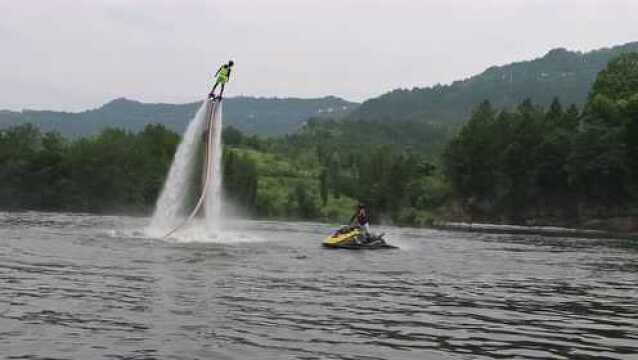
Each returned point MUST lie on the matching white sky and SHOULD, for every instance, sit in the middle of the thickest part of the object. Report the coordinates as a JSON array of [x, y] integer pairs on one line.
[[78, 54]]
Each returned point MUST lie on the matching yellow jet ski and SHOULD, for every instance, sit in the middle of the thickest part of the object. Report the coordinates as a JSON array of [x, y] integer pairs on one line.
[[351, 237]]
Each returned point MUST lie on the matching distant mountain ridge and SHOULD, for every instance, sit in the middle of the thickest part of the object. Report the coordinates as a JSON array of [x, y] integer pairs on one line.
[[562, 73], [262, 116]]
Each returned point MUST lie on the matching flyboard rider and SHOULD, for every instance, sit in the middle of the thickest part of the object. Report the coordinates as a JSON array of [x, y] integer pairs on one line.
[[222, 76]]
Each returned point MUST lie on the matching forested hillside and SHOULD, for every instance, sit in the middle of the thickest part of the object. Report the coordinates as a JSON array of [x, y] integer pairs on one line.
[[550, 165], [560, 73], [262, 116]]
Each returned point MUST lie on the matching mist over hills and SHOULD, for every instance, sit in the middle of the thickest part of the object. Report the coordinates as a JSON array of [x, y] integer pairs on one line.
[[562, 73], [262, 116]]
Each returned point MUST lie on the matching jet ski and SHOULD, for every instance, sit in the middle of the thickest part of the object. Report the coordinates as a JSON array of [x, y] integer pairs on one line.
[[351, 237]]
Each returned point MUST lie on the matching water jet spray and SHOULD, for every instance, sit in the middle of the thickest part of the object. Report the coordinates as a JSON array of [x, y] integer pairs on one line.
[[174, 196]]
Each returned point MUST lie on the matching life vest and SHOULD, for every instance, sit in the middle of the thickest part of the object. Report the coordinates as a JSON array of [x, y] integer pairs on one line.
[[224, 73], [362, 217]]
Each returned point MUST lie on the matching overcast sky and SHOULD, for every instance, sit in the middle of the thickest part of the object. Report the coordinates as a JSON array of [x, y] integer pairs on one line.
[[74, 54]]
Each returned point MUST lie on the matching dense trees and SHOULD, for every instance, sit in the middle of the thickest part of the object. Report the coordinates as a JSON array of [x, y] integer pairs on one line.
[[240, 179], [393, 181], [302, 176], [531, 163], [115, 171]]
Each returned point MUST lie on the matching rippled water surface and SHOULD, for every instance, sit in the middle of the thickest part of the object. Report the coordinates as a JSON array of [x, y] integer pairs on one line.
[[89, 287]]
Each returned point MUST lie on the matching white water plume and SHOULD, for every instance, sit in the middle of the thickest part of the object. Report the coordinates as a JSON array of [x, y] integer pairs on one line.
[[171, 205], [171, 210], [213, 200]]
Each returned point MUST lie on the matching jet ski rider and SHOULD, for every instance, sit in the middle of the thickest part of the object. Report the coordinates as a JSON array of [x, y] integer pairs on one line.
[[360, 219]]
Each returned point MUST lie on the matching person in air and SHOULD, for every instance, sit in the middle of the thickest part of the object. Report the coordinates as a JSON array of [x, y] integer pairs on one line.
[[222, 76], [360, 219]]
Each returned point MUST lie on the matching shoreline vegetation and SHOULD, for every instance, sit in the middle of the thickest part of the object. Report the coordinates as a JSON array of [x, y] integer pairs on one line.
[[568, 167]]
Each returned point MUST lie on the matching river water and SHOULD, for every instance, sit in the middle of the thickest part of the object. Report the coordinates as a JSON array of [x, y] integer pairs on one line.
[[95, 287]]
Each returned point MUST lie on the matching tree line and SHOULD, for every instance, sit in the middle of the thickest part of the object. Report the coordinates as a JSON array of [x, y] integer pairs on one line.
[[534, 163], [117, 171]]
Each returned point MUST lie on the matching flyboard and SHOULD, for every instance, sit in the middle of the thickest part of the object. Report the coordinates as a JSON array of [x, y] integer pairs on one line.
[[207, 174]]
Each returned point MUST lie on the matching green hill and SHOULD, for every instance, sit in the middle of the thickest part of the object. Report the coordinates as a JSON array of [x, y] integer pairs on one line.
[[566, 74], [262, 116]]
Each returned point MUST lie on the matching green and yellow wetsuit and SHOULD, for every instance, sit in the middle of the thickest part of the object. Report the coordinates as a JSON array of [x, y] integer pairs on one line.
[[222, 76]]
